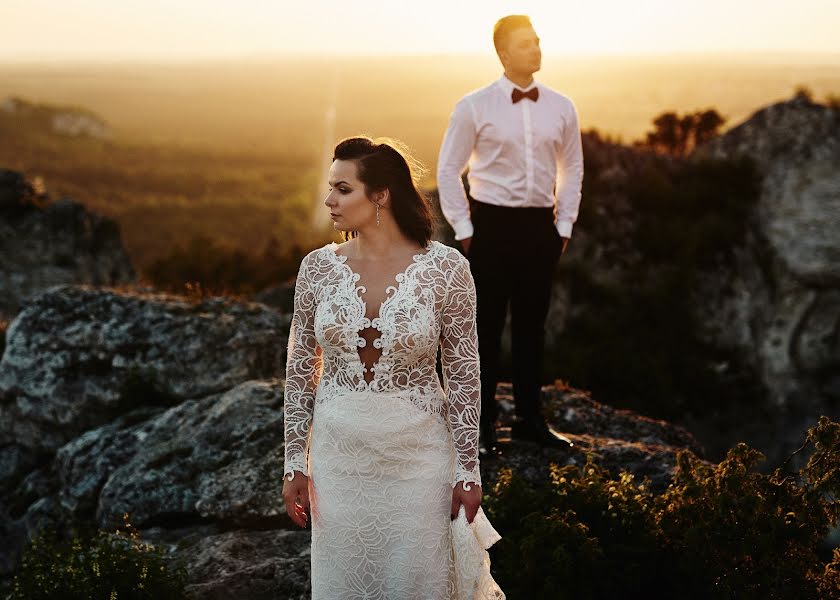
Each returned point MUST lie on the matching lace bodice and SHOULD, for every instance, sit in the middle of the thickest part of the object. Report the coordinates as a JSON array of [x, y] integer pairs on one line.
[[432, 305]]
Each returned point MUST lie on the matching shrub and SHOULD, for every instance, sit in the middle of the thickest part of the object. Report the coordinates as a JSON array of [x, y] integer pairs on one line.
[[107, 566], [721, 531]]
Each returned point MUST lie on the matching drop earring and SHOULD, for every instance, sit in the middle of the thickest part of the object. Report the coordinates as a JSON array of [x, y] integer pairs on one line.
[[377, 214]]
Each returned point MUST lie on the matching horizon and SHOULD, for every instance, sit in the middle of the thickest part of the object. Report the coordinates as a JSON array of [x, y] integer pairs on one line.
[[794, 56], [250, 102]]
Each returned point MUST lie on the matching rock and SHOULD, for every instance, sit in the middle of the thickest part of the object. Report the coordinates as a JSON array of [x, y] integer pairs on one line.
[[77, 357], [85, 464], [16, 195], [766, 316], [280, 296], [619, 440], [44, 244], [27, 485], [796, 145], [14, 461], [778, 303], [249, 564], [217, 459]]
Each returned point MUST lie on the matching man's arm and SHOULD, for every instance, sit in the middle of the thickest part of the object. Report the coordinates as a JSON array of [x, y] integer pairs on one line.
[[458, 143], [569, 152]]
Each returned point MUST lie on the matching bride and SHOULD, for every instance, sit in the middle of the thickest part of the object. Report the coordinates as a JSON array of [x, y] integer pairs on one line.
[[381, 455]]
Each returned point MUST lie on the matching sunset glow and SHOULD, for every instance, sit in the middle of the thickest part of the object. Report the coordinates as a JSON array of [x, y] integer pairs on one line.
[[192, 29]]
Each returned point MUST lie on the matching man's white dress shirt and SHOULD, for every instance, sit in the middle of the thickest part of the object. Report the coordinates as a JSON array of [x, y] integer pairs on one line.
[[519, 154]]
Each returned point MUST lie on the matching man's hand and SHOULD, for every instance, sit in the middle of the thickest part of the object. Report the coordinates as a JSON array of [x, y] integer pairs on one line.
[[470, 499], [465, 244], [296, 498]]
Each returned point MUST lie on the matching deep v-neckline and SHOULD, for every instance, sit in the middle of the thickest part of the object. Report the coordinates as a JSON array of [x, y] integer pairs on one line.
[[392, 291]]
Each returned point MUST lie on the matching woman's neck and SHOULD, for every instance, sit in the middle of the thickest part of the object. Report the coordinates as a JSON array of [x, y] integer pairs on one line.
[[382, 242]]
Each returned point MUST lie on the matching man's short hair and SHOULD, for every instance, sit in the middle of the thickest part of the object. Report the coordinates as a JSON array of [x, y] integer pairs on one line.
[[503, 27]]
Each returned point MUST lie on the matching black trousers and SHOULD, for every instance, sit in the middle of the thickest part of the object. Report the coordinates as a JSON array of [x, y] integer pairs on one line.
[[512, 257]]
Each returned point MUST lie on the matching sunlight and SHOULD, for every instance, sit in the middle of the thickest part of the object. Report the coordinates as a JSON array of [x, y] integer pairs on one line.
[[102, 30]]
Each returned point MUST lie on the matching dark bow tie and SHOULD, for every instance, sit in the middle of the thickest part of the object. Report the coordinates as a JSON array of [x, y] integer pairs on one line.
[[518, 94]]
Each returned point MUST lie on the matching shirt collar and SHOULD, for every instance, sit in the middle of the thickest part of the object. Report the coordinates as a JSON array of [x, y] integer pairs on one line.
[[507, 86]]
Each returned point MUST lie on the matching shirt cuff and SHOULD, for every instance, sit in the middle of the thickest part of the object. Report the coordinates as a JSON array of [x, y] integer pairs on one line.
[[564, 228], [463, 229]]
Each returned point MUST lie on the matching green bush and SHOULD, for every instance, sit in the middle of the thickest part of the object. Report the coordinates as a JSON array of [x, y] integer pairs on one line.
[[721, 531], [106, 566]]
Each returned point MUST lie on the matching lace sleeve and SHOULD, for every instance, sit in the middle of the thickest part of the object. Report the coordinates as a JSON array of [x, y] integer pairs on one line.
[[303, 372], [459, 360]]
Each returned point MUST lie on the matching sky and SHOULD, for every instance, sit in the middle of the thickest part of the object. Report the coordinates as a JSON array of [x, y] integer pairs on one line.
[[211, 29]]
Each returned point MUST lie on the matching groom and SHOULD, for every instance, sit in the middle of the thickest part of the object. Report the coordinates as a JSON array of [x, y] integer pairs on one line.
[[522, 142]]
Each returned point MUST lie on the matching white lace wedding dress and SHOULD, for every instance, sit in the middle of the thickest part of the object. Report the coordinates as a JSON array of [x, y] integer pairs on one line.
[[384, 455]]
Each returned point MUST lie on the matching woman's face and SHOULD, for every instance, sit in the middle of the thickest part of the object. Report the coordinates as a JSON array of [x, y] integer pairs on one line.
[[350, 208]]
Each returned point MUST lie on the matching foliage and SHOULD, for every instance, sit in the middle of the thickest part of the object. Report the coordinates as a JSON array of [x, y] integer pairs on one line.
[[163, 194], [805, 92], [680, 134], [721, 531], [112, 566], [215, 268]]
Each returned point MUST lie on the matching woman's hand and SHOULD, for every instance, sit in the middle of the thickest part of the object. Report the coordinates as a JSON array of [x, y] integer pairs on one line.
[[296, 497], [471, 499]]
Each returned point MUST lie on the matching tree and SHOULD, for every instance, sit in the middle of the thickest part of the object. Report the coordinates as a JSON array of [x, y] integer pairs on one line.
[[679, 135]]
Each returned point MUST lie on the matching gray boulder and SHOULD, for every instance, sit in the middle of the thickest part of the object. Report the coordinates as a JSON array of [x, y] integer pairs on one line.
[[258, 565], [46, 243], [778, 303], [77, 357], [218, 459]]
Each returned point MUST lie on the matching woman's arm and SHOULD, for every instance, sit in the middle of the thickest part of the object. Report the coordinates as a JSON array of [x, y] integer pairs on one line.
[[303, 371], [462, 383]]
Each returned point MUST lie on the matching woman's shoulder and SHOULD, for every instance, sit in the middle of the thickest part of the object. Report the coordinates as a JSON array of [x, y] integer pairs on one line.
[[447, 254], [318, 255], [317, 261]]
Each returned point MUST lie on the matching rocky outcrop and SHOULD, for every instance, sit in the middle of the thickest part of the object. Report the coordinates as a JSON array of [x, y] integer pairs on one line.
[[619, 440], [194, 455], [46, 243], [215, 459], [778, 302], [77, 357], [242, 563], [768, 315], [159, 406]]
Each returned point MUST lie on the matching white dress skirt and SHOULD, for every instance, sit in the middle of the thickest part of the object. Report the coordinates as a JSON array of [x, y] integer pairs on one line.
[[380, 496]]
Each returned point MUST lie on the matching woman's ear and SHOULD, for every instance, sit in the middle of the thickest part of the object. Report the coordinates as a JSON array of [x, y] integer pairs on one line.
[[382, 197]]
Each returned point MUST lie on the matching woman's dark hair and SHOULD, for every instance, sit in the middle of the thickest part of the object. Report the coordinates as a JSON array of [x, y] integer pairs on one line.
[[384, 163]]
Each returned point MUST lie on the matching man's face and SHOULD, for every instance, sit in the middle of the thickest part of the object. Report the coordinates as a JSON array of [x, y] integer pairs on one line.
[[522, 52]]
